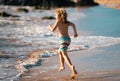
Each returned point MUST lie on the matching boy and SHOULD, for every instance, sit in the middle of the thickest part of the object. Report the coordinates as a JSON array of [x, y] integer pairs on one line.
[[62, 25]]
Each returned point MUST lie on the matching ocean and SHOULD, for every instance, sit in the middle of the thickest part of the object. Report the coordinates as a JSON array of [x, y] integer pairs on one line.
[[97, 27]]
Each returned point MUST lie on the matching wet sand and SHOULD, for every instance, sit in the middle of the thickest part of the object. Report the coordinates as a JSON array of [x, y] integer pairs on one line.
[[100, 64]]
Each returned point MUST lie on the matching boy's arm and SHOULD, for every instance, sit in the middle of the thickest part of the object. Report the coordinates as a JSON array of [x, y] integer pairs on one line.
[[53, 28], [74, 29]]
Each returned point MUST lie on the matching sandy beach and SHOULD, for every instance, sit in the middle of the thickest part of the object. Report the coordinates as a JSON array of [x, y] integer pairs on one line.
[[100, 64], [109, 3]]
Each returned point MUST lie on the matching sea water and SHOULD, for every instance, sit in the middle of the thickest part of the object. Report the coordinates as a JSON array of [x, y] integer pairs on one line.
[[96, 26], [101, 21]]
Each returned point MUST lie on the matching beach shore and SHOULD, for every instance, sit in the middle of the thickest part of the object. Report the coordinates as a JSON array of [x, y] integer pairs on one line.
[[109, 3], [100, 64]]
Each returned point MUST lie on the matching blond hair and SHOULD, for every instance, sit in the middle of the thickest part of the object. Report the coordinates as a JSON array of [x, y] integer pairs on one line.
[[61, 12]]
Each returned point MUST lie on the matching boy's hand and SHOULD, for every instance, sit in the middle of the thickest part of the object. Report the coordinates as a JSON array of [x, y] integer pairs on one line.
[[51, 27], [75, 35]]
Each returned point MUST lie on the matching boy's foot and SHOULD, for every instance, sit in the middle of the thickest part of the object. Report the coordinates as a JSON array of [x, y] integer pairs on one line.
[[73, 76], [61, 68]]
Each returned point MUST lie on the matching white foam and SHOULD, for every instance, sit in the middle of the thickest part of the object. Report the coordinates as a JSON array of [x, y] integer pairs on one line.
[[48, 54], [87, 42], [91, 42], [41, 36]]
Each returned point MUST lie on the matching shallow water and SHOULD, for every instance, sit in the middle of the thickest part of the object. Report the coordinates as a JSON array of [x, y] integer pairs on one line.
[[100, 21], [21, 36]]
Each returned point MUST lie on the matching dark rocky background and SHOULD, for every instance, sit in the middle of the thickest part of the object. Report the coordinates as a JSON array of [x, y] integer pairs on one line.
[[49, 3]]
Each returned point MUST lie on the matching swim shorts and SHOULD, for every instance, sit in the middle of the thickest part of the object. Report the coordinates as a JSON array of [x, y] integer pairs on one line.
[[64, 43]]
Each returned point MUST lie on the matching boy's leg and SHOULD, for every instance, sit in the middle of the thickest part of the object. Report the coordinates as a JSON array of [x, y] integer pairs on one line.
[[66, 58], [68, 61], [61, 61]]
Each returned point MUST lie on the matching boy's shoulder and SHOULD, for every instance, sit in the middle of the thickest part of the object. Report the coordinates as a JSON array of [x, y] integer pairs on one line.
[[69, 22]]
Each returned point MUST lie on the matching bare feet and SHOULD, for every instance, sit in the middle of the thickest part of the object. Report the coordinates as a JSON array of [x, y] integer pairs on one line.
[[61, 68], [74, 75]]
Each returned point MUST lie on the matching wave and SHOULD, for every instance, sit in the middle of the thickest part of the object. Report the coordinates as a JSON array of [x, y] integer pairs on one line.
[[90, 42]]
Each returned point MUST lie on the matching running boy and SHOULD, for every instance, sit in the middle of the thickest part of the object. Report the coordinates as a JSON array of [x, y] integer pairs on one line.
[[62, 25]]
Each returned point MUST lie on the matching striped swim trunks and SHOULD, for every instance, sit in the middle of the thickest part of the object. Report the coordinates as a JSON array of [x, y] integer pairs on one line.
[[64, 43]]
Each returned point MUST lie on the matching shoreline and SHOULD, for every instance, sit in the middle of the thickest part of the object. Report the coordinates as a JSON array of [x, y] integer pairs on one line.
[[49, 69]]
